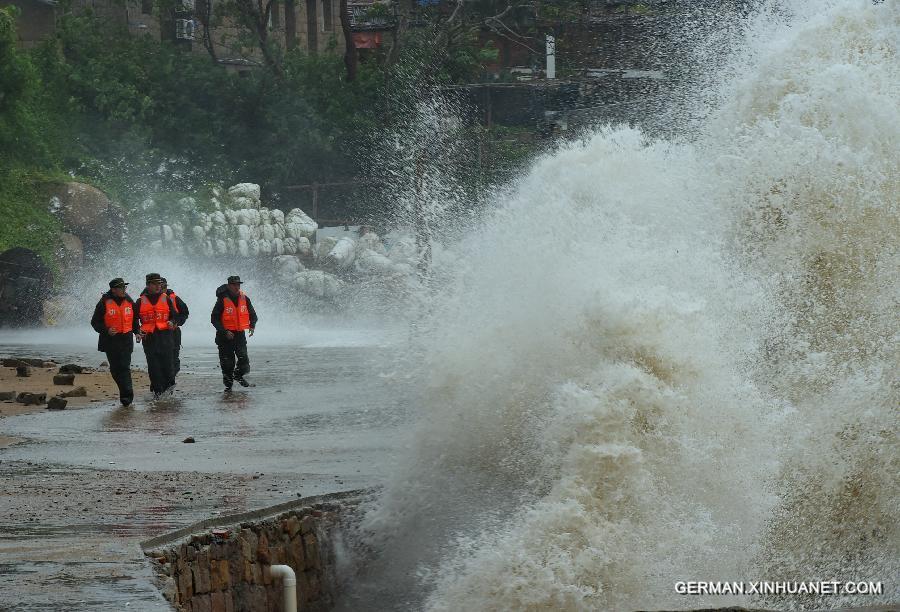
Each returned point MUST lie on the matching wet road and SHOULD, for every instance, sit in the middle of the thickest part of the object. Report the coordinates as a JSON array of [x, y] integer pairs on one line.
[[326, 415]]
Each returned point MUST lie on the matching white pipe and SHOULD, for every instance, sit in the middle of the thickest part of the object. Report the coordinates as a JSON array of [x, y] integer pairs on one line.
[[290, 585]]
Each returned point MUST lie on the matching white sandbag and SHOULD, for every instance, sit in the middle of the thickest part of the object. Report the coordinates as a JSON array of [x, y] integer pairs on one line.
[[298, 217], [231, 246], [317, 283], [290, 246], [156, 245], [231, 217], [243, 248], [303, 247], [220, 232], [277, 216], [245, 203], [265, 218], [166, 233], [265, 247], [187, 204], [254, 232], [370, 240], [218, 218], [279, 230], [286, 266], [198, 234], [209, 248], [220, 246], [267, 232], [277, 246], [343, 253], [242, 232], [245, 190], [252, 216], [253, 247], [324, 246], [178, 230]]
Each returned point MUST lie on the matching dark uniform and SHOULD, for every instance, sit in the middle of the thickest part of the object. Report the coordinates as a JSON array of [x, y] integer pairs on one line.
[[159, 344], [183, 314], [233, 357], [119, 346]]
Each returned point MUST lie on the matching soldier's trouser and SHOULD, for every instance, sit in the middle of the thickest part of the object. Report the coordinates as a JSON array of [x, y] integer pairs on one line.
[[176, 354], [120, 369], [234, 361], [160, 367]]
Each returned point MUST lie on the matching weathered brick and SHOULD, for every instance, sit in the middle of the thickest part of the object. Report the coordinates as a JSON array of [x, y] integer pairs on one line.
[[262, 549], [217, 602], [311, 551], [229, 602], [307, 525], [200, 603]]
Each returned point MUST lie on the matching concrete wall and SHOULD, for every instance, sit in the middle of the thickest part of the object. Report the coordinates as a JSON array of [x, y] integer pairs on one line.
[[203, 571]]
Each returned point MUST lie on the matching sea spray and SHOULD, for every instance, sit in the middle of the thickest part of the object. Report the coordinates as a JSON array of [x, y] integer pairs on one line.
[[664, 361]]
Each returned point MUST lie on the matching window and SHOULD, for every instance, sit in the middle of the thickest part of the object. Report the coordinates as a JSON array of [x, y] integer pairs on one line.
[[327, 16]]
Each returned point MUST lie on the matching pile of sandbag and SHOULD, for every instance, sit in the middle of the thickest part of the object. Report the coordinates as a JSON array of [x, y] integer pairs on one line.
[[291, 272], [241, 226]]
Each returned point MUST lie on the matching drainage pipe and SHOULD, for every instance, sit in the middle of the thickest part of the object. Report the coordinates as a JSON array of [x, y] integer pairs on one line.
[[289, 580]]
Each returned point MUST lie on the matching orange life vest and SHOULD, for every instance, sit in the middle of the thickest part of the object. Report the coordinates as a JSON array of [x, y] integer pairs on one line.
[[174, 297], [154, 316], [119, 318], [235, 318]]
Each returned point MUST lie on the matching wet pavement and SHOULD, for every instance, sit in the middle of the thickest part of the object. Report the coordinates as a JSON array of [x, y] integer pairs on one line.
[[89, 484]]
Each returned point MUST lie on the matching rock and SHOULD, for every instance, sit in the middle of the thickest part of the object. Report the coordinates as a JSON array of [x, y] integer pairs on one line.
[[23, 371], [245, 190], [189, 440], [24, 278], [70, 253], [64, 379], [104, 364], [6, 396], [57, 403], [32, 399], [88, 213], [72, 368], [76, 392]]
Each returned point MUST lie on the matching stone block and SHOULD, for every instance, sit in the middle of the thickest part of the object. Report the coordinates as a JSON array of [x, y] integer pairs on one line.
[[315, 585], [185, 582], [217, 602], [307, 525], [200, 572], [7, 395], [32, 399], [201, 603], [23, 371], [71, 368], [311, 551], [64, 379], [57, 403], [256, 569], [229, 603], [267, 574], [76, 392], [262, 549], [299, 552], [249, 544], [224, 574], [214, 583]]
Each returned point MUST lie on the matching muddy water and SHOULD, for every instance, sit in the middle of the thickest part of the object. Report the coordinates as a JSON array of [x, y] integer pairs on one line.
[[89, 484]]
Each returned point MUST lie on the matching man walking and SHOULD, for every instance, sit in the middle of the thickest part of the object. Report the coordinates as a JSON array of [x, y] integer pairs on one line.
[[182, 314], [232, 316], [158, 320], [116, 323]]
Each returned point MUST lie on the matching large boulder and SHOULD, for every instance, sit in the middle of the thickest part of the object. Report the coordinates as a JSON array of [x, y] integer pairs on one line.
[[88, 213], [70, 253], [24, 279]]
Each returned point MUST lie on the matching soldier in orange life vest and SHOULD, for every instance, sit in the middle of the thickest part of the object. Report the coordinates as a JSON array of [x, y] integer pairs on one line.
[[183, 313], [116, 322], [158, 319], [233, 316]]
